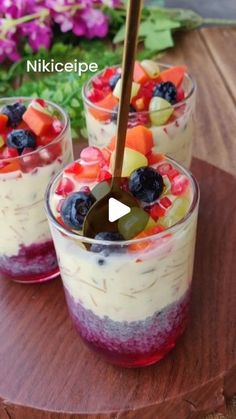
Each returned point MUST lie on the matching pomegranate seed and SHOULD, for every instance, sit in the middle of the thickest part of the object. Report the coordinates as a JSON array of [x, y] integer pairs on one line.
[[75, 168], [108, 73], [165, 202], [59, 205], [104, 175], [156, 211], [97, 83], [179, 185], [164, 168], [91, 154], [57, 126], [85, 189], [41, 102], [65, 187], [180, 94], [9, 152], [172, 173], [95, 95]]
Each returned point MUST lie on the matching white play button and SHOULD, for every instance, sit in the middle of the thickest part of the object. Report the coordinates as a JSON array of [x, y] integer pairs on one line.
[[116, 210]]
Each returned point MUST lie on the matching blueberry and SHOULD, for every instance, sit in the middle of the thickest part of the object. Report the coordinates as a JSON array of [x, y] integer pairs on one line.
[[21, 138], [167, 91], [75, 208], [115, 112], [107, 249], [14, 113], [146, 184], [113, 80]]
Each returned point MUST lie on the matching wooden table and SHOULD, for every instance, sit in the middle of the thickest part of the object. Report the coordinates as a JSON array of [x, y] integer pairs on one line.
[[211, 57], [212, 64]]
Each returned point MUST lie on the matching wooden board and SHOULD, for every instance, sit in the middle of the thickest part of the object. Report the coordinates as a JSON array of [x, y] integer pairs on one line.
[[210, 54], [46, 368]]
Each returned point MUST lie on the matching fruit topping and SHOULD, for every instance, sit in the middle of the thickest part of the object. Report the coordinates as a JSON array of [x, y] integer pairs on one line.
[[14, 166], [37, 118], [160, 110], [179, 185], [133, 223], [144, 244], [109, 102], [65, 187], [107, 249], [14, 113], [146, 184], [3, 121], [132, 160], [138, 138], [113, 80], [176, 212], [167, 91], [75, 208], [134, 89], [173, 74], [20, 139], [151, 68], [74, 168], [140, 75], [91, 154]]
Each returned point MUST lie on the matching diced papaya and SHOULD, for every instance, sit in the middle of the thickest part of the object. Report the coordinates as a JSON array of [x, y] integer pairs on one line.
[[3, 121], [135, 247], [138, 138], [11, 167], [173, 74], [154, 158], [140, 76], [88, 172], [109, 102], [37, 121]]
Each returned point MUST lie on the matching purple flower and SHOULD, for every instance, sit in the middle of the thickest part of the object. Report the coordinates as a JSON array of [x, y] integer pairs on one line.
[[38, 33], [90, 23], [8, 50]]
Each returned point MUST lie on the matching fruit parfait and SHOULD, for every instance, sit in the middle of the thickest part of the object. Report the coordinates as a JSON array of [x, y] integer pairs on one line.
[[127, 289], [162, 100], [35, 143]]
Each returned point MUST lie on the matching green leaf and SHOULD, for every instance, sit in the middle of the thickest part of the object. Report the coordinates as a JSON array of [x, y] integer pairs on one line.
[[120, 36], [158, 41]]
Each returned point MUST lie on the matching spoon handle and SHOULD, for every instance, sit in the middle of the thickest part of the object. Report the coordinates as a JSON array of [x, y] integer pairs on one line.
[[131, 34]]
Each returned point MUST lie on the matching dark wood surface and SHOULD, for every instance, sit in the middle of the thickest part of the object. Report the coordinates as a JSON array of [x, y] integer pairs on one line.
[[45, 366]]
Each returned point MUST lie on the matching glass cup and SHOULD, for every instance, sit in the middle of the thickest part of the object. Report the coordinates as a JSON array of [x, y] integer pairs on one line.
[[27, 253], [174, 138], [130, 301]]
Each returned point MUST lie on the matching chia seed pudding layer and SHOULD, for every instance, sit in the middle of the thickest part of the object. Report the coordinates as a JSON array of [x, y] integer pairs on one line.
[[155, 334], [36, 259]]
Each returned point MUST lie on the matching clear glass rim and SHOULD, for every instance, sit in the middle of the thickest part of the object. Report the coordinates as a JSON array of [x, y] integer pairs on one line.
[[175, 227], [93, 105], [56, 139]]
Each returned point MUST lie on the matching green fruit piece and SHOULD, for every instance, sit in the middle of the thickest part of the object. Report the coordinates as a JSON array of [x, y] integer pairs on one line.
[[134, 90], [151, 223], [151, 68], [133, 223], [160, 110], [101, 189], [132, 161], [176, 212]]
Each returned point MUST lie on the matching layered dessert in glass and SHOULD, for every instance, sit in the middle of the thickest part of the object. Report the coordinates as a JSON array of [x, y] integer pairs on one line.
[[127, 289], [35, 143], [162, 100]]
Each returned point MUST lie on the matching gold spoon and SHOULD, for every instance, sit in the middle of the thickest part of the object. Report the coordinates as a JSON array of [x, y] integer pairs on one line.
[[97, 218]]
